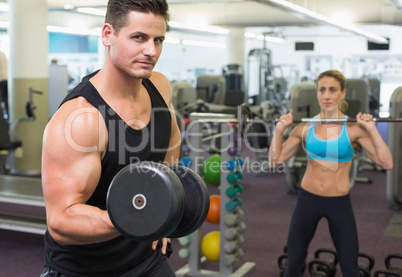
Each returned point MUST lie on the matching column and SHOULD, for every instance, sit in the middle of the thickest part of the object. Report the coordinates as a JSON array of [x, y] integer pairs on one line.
[[235, 46], [28, 69]]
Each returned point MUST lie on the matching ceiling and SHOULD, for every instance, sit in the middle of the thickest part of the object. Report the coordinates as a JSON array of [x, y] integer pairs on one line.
[[247, 13], [244, 13]]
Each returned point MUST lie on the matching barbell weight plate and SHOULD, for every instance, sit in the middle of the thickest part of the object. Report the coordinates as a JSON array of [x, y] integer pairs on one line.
[[145, 201], [196, 203]]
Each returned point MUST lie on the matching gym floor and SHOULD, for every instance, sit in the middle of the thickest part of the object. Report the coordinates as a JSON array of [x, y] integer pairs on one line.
[[267, 212]]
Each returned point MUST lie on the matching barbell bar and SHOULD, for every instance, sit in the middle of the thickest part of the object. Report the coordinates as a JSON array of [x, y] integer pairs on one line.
[[327, 120], [245, 117], [300, 120]]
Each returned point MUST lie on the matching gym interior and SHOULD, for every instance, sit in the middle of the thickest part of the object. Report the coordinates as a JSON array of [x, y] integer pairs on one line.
[[219, 56]]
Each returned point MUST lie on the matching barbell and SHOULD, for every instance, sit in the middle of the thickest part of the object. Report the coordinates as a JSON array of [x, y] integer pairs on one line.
[[148, 201], [245, 117]]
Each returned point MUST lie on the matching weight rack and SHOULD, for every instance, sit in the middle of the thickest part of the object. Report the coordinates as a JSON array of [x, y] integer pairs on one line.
[[194, 266]]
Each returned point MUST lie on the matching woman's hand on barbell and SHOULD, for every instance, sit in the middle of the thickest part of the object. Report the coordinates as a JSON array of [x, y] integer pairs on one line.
[[364, 120]]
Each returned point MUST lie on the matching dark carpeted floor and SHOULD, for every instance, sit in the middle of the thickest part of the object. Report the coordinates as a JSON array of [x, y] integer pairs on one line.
[[267, 208]]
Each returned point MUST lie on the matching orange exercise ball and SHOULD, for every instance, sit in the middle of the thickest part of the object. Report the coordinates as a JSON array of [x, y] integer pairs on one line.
[[214, 212], [210, 246]]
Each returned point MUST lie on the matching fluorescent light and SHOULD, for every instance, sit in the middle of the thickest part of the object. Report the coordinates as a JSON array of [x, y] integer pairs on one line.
[[68, 7], [92, 11], [201, 28], [250, 35], [274, 39], [203, 43], [262, 37], [323, 19]]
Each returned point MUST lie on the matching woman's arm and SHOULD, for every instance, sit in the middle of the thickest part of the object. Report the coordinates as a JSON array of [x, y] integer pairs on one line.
[[281, 152], [372, 143]]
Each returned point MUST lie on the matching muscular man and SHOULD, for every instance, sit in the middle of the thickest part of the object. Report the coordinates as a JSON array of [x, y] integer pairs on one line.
[[116, 116]]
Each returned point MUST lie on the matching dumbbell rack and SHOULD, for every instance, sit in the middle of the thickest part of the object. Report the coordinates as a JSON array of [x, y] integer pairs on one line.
[[196, 155]]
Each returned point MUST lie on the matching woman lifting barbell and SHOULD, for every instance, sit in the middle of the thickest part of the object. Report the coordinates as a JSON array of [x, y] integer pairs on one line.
[[325, 185]]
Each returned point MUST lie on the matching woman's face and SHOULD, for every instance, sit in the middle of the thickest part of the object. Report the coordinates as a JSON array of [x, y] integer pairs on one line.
[[329, 93]]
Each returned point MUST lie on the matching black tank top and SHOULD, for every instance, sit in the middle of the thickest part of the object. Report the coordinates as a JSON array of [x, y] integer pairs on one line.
[[125, 145]]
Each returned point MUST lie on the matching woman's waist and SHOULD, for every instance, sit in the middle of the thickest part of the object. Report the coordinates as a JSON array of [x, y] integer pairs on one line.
[[327, 178]]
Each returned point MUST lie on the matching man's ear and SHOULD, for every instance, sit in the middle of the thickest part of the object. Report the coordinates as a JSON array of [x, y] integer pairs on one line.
[[107, 32]]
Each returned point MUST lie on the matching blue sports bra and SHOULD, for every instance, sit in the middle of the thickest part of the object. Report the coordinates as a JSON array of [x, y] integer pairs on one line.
[[337, 149]]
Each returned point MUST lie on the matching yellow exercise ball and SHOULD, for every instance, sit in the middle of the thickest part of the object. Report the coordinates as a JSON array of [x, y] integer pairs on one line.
[[210, 246]]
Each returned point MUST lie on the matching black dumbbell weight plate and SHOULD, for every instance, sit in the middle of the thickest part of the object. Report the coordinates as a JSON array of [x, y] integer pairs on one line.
[[196, 203], [145, 201]]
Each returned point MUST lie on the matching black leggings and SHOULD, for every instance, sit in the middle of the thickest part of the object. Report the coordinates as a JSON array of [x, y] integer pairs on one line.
[[310, 208]]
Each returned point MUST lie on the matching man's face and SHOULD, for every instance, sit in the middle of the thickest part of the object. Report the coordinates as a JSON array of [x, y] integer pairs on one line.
[[136, 48]]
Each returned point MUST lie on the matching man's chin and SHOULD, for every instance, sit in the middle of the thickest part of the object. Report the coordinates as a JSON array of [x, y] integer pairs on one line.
[[143, 74]]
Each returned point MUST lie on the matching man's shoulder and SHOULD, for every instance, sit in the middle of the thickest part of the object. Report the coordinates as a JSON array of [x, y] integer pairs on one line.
[[158, 78], [161, 83]]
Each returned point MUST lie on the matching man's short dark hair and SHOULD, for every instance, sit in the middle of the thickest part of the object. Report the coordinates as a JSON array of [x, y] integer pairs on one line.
[[117, 10]]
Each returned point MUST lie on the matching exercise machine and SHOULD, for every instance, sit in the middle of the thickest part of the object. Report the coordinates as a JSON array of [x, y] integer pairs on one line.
[[394, 176]]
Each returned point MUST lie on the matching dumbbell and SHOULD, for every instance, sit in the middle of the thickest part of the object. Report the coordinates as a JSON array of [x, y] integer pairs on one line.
[[233, 151], [228, 260], [231, 246], [184, 241], [232, 191], [186, 161], [332, 263], [233, 177], [232, 164], [184, 253], [233, 204], [147, 201], [234, 218], [234, 232], [234, 136], [365, 268]]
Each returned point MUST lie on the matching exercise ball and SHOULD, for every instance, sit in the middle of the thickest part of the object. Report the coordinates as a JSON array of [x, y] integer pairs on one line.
[[212, 170], [210, 246], [214, 212]]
